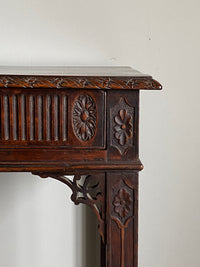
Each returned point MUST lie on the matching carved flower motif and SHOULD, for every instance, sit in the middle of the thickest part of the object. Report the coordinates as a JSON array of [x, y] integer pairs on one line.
[[84, 117], [122, 203], [123, 127]]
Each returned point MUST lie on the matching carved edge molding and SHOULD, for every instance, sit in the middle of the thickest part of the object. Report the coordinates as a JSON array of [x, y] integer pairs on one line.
[[79, 82], [121, 121], [86, 189]]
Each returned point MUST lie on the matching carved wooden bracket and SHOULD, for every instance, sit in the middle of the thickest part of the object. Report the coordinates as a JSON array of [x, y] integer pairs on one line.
[[86, 189]]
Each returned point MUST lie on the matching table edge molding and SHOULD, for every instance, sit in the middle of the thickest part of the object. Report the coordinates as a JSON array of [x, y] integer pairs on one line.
[[79, 82]]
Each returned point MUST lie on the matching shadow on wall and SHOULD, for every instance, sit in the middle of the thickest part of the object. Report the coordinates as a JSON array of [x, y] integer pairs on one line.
[[90, 239], [26, 206]]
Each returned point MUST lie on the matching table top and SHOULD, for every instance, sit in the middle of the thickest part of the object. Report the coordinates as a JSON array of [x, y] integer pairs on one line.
[[76, 78], [72, 71]]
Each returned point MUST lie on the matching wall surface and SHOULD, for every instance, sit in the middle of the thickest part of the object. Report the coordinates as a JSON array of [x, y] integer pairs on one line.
[[158, 37]]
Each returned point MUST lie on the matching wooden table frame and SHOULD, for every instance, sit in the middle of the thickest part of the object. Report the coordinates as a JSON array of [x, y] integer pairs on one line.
[[84, 122]]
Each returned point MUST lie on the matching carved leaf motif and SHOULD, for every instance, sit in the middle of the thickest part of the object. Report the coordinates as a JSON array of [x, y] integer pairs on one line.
[[31, 82], [84, 117], [122, 126], [122, 203], [76, 82]]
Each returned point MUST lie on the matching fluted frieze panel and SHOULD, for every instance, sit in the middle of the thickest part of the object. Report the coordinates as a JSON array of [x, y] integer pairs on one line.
[[33, 117]]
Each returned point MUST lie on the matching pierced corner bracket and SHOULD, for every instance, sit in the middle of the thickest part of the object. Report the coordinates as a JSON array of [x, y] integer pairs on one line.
[[86, 189]]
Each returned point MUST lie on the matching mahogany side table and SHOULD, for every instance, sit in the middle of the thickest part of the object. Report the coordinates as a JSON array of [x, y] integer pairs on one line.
[[83, 122]]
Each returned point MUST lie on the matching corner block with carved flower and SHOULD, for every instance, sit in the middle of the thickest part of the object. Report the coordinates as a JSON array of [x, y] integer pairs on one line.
[[121, 117]]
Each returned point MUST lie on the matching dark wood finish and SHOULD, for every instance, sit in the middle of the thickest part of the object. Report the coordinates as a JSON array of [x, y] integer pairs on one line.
[[84, 122], [122, 219], [76, 77]]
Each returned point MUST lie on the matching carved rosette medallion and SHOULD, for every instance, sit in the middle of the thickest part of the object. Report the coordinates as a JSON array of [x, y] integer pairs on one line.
[[84, 117], [121, 117]]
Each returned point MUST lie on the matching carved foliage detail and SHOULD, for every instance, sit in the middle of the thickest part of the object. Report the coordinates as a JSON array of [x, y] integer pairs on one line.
[[122, 203], [84, 117], [76, 82], [123, 199], [122, 126]]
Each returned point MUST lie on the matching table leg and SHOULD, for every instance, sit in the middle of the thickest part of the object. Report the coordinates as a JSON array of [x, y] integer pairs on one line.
[[122, 219]]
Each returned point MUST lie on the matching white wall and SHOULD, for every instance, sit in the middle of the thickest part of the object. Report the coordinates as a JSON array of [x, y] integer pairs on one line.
[[158, 37]]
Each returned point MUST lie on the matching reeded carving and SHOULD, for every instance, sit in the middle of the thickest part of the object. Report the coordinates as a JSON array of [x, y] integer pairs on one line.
[[121, 118], [84, 117], [33, 117], [86, 189], [32, 81]]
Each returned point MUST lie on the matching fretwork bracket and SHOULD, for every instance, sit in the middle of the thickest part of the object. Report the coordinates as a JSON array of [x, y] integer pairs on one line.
[[86, 189]]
